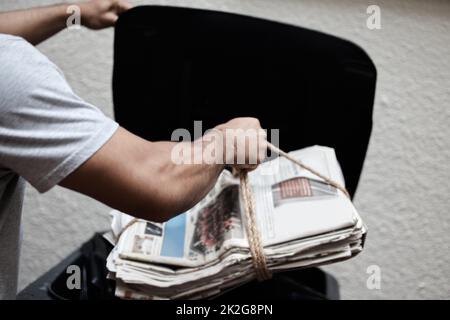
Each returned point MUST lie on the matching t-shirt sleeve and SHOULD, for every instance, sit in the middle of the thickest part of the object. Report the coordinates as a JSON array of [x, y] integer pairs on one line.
[[46, 130]]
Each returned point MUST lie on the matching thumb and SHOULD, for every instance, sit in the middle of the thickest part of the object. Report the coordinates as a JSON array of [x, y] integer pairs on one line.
[[111, 18]]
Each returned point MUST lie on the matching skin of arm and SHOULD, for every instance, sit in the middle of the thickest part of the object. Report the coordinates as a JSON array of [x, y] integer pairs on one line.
[[38, 24], [140, 178], [128, 173]]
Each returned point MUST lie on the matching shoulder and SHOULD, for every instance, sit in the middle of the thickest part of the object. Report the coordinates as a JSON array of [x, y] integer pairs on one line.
[[13, 48], [23, 67], [16, 53], [10, 38]]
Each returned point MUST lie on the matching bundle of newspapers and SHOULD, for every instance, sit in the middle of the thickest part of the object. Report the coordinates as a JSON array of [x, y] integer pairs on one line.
[[204, 252]]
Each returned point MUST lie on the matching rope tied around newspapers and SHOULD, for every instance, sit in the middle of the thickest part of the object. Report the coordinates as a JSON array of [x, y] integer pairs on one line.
[[254, 237]]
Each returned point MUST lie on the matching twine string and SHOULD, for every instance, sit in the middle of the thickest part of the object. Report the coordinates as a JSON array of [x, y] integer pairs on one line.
[[254, 237]]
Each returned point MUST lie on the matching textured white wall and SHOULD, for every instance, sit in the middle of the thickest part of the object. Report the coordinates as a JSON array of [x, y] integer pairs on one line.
[[404, 190]]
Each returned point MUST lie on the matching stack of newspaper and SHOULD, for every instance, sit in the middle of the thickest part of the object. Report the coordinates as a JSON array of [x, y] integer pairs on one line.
[[201, 253]]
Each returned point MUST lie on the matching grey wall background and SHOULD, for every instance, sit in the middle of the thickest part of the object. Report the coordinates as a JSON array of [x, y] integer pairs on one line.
[[403, 194]]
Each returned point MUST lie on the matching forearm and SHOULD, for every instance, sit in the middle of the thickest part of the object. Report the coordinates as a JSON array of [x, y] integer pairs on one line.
[[36, 24], [150, 180], [180, 186], [140, 178]]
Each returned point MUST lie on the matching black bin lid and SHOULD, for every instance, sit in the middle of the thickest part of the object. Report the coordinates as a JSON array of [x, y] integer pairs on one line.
[[175, 65]]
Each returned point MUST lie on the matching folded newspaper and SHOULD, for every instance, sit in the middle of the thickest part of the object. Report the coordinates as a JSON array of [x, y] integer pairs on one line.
[[203, 252]]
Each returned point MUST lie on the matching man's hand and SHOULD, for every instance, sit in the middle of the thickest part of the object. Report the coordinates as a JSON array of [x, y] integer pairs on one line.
[[99, 14], [38, 24], [245, 143]]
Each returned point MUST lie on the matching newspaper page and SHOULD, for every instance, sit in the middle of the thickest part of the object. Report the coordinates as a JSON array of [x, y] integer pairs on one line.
[[216, 224]]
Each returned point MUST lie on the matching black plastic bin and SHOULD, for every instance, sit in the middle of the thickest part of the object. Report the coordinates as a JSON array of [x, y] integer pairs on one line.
[[90, 258]]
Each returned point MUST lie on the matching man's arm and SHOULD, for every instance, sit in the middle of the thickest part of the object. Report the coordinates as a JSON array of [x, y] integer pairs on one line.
[[140, 177], [37, 24]]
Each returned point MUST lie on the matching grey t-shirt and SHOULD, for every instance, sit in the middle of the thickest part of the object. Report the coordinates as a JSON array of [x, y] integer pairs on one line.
[[46, 132]]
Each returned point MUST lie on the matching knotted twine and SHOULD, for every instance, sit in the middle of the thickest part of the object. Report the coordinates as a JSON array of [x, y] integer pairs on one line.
[[259, 261], [262, 271]]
